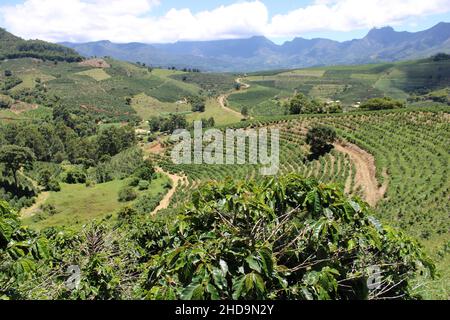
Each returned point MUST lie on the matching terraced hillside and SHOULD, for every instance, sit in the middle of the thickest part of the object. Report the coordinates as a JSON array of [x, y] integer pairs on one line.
[[397, 161], [348, 84], [104, 90]]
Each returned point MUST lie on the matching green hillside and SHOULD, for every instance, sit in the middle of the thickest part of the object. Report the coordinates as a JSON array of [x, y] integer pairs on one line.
[[12, 47], [79, 161], [348, 84], [103, 93]]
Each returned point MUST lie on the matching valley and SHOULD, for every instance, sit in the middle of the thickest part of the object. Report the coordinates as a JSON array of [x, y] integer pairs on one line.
[[86, 167]]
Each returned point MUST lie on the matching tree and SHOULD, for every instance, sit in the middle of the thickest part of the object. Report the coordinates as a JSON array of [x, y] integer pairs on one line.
[[208, 123], [15, 158], [62, 113], [211, 122], [299, 104], [146, 171], [75, 176], [244, 111], [168, 124], [5, 102], [45, 177], [320, 139], [112, 140], [385, 103], [127, 194], [198, 103], [48, 181]]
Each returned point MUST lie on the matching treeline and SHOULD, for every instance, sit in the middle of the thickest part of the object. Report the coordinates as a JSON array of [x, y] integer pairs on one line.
[[72, 140], [175, 121], [12, 47], [385, 103], [80, 143], [301, 104]]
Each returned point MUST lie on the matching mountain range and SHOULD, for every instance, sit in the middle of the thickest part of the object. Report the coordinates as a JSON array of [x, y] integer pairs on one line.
[[259, 53]]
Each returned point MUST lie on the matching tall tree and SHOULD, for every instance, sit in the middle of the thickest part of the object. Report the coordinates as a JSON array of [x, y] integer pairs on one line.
[[15, 158], [299, 104], [320, 139]]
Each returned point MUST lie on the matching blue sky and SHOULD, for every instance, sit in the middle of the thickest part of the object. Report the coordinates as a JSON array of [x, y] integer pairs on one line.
[[173, 20]]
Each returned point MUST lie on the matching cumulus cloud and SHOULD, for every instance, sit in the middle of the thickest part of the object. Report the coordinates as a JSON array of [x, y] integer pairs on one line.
[[347, 15], [132, 20]]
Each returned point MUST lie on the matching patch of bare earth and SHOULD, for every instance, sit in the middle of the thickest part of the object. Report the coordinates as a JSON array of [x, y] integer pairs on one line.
[[36, 207], [365, 176], [222, 103], [95, 63], [176, 181], [154, 148], [21, 107]]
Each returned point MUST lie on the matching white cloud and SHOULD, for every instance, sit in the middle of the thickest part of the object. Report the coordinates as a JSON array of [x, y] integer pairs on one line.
[[347, 15], [132, 20]]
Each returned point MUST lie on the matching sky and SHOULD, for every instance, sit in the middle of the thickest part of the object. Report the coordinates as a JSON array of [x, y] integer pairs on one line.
[[163, 21]]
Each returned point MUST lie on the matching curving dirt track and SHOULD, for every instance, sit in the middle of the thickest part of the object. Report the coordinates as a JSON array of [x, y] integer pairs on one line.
[[222, 98], [221, 101], [365, 177], [165, 202], [31, 211]]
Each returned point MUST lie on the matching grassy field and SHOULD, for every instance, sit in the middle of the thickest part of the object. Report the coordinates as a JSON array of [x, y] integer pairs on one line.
[[259, 100], [212, 83], [77, 204], [147, 107], [222, 117]]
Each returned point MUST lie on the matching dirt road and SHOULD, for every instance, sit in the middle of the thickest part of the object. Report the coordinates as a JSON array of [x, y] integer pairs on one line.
[[365, 172], [223, 98], [176, 181], [35, 208]]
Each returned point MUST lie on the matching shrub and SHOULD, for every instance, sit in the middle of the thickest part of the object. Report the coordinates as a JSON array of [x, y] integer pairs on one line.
[[134, 182], [287, 239], [53, 185], [320, 139], [5, 102], [75, 176], [143, 185], [146, 171], [126, 213], [127, 194], [382, 104], [49, 209], [90, 183]]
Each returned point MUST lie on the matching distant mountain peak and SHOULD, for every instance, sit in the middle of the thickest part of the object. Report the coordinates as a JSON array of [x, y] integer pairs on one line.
[[380, 33], [259, 53], [387, 36]]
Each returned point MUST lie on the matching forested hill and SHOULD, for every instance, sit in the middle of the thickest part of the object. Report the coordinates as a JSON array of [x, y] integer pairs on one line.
[[12, 47]]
